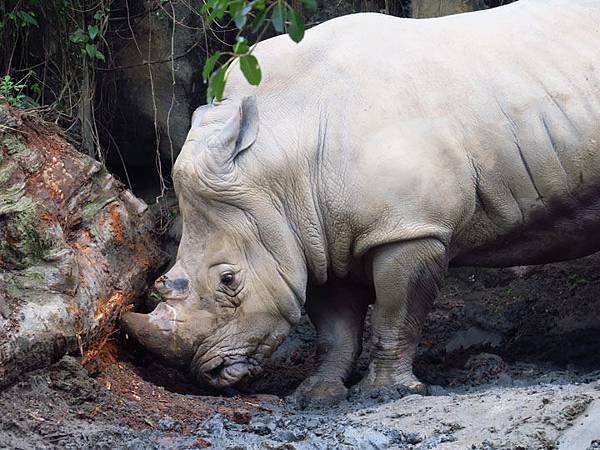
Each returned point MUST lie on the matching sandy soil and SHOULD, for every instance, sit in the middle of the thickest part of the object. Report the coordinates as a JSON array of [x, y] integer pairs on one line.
[[512, 357]]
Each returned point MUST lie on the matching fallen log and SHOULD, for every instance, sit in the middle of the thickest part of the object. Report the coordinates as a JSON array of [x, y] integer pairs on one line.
[[75, 248]]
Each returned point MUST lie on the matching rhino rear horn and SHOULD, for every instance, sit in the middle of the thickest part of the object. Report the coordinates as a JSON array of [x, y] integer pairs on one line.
[[239, 133]]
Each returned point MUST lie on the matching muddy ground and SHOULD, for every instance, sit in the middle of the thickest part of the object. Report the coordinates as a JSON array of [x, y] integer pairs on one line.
[[512, 357]]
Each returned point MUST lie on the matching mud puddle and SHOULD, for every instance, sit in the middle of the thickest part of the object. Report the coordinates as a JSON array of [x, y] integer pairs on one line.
[[512, 357]]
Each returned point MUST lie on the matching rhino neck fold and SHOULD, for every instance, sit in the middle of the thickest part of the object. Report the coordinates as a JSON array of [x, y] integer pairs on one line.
[[304, 215]]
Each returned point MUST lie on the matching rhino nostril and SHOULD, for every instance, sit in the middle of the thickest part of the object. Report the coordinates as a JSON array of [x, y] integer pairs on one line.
[[214, 373], [179, 284]]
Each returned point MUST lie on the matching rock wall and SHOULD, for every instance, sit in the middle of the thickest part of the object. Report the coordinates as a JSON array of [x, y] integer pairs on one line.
[[75, 248], [156, 78], [436, 8], [421, 9]]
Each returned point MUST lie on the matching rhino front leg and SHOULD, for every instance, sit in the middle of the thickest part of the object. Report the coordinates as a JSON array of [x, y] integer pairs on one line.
[[337, 311], [407, 278]]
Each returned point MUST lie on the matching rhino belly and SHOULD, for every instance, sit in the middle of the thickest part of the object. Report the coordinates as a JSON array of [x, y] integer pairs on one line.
[[561, 231]]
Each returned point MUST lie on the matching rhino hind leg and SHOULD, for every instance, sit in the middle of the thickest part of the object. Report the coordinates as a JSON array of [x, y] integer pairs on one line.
[[407, 277], [337, 311]]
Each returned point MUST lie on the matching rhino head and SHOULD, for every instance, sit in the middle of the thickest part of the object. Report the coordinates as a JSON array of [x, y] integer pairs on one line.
[[239, 280]]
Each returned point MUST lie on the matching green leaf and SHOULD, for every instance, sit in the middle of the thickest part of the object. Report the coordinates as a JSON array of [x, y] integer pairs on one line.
[[233, 6], [78, 36], [217, 11], [241, 47], [278, 17], [259, 5], [91, 50], [100, 55], [209, 65], [36, 88], [99, 15], [259, 20], [251, 69], [311, 5], [216, 84], [241, 15], [93, 31], [206, 7], [296, 27], [27, 18]]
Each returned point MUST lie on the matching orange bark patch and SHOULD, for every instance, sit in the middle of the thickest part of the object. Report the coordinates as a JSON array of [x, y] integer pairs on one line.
[[48, 217], [84, 243], [102, 350], [53, 176], [115, 220]]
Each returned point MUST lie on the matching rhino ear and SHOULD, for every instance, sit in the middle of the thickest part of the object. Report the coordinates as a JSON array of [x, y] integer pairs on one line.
[[237, 135]]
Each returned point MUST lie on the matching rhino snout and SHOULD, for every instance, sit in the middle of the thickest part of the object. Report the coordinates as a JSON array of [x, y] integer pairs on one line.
[[224, 372]]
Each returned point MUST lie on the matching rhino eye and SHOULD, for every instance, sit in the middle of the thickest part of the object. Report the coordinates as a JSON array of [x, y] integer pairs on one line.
[[227, 278]]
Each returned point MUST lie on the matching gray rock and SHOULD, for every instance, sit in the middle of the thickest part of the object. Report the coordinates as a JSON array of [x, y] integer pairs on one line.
[[285, 435], [169, 424], [214, 426], [262, 425]]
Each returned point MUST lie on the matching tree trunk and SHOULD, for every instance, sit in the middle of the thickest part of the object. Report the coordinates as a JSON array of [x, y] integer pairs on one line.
[[75, 248]]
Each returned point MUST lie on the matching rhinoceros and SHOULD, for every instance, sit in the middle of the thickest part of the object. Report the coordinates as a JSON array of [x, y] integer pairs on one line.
[[374, 155]]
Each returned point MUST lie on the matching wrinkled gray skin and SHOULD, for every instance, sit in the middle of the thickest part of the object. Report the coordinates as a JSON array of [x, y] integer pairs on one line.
[[373, 155]]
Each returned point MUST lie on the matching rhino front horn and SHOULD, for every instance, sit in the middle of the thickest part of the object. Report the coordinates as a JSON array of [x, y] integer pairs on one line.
[[154, 331]]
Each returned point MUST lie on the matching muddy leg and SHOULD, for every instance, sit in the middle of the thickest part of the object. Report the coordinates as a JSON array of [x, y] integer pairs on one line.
[[338, 313], [407, 277]]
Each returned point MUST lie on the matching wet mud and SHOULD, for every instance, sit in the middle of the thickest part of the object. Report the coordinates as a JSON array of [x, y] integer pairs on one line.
[[511, 357]]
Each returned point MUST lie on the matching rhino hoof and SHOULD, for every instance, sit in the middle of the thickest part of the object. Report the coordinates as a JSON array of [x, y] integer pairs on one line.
[[319, 391], [387, 392]]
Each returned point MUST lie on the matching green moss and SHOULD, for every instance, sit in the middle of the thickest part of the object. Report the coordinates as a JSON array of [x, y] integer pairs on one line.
[[34, 242], [15, 146], [13, 200], [7, 172], [91, 210], [29, 242]]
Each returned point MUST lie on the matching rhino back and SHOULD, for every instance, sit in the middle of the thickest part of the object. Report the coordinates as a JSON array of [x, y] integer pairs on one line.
[[471, 128]]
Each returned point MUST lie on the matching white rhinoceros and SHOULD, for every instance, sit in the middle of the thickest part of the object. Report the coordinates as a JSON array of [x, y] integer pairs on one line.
[[373, 155]]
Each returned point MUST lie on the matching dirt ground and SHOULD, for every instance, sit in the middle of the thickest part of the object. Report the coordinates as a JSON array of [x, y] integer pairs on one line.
[[511, 356]]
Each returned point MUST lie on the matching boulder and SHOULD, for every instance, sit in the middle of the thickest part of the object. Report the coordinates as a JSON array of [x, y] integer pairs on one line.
[[75, 248]]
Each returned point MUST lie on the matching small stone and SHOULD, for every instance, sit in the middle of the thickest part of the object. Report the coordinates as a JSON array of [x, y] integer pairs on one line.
[[290, 435], [365, 439], [169, 424], [311, 423], [214, 425], [413, 438], [262, 425]]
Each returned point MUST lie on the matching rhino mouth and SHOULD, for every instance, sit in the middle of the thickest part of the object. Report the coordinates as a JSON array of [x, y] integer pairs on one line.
[[222, 372]]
